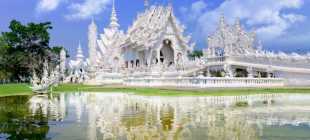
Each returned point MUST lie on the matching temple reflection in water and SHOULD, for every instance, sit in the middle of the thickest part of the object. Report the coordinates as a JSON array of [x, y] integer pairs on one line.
[[126, 116]]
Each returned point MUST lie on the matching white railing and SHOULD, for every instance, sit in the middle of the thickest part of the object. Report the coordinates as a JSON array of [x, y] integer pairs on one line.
[[263, 61], [204, 82]]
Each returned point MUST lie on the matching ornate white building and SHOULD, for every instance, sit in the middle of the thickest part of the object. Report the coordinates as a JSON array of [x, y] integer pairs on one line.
[[156, 37], [155, 52], [77, 68], [236, 53]]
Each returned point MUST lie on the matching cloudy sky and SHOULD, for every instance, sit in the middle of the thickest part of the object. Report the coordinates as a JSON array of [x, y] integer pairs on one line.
[[280, 24]]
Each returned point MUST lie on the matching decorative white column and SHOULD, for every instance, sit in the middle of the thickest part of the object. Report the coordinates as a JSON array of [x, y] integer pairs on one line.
[[62, 64], [250, 72], [92, 45], [269, 71], [228, 71], [209, 72]]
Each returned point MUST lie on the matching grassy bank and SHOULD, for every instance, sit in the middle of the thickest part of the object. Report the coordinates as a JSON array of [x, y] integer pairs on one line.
[[23, 89], [182, 92], [14, 89]]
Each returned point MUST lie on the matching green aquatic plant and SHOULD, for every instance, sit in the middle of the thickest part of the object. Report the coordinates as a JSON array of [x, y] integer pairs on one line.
[[242, 104], [265, 102]]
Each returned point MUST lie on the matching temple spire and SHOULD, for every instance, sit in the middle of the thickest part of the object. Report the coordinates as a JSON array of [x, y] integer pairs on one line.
[[92, 43], [114, 21], [238, 24], [222, 20], [79, 54]]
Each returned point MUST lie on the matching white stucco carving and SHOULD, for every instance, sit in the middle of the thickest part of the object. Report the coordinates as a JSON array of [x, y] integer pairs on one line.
[[155, 47]]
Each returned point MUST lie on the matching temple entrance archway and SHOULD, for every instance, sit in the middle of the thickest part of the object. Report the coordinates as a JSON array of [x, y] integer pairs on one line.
[[167, 53]]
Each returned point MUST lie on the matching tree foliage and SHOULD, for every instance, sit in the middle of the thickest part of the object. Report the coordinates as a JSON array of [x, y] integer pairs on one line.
[[196, 54], [24, 48]]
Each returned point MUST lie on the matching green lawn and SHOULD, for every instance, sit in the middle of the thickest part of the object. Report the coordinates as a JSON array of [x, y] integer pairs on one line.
[[23, 89], [14, 89]]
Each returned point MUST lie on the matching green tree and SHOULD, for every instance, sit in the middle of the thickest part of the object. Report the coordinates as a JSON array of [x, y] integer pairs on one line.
[[196, 54], [57, 50], [4, 58], [26, 47]]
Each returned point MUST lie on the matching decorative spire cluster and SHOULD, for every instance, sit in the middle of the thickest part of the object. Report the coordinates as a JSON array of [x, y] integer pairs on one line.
[[114, 21], [231, 39], [222, 23]]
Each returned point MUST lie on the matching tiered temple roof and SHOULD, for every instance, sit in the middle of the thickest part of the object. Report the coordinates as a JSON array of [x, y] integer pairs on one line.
[[149, 27]]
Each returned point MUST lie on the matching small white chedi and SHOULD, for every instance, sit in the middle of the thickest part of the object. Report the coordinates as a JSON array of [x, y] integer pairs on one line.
[[155, 52], [77, 68]]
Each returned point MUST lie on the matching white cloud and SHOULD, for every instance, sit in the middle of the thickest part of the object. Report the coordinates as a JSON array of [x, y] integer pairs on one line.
[[270, 18], [47, 5], [87, 9], [195, 10]]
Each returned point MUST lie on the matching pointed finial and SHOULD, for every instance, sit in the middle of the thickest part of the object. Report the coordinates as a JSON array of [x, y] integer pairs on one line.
[[237, 21], [92, 23], [92, 26], [114, 21], [79, 54], [92, 19], [238, 24], [146, 3], [222, 18], [113, 6], [222, 21]]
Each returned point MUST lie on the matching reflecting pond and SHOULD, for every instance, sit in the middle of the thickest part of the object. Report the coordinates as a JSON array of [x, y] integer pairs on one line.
[[120, 116]]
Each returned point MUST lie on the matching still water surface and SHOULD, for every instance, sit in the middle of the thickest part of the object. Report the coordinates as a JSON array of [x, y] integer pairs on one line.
[[119, 116]]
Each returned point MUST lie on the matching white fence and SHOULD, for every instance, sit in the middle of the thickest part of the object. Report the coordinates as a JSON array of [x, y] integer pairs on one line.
[[204, 82]]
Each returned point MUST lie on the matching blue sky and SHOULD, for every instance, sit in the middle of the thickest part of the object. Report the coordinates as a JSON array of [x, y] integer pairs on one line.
[[280, 24]]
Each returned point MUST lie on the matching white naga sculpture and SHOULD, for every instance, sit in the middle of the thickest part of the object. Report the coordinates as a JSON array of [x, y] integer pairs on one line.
[[47, 79]]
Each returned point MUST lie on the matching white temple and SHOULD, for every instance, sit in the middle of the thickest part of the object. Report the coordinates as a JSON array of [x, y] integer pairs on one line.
[[155, 52]]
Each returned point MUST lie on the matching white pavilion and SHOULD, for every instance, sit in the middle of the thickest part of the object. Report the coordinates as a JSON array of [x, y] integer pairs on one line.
[[154, 52]]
